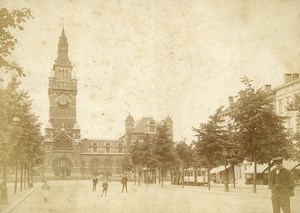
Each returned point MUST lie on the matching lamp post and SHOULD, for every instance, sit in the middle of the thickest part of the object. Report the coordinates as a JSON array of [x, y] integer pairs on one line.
[[226, 188], [3, 195]]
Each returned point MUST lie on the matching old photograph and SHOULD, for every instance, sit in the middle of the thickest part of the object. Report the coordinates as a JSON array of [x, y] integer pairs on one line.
[[150, 106]]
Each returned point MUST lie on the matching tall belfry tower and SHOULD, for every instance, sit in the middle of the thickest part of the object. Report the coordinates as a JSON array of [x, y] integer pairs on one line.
[[62, 139]]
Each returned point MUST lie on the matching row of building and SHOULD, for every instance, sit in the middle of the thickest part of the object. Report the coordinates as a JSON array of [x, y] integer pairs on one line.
[[68, 155], [282, 96]]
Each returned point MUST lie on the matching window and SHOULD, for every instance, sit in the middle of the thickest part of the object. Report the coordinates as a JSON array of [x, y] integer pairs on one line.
[[280, 105], [94, 149], [107, 149]]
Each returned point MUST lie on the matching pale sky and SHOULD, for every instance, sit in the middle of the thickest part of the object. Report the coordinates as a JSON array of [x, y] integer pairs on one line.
[[154, 58]]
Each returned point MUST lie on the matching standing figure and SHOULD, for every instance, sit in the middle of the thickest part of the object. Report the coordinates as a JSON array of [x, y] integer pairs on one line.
[[45, 187], [105, 187], [95, 181], [124, 183], [282, 185]]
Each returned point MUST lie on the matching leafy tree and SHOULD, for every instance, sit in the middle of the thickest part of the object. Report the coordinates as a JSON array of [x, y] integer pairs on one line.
[[295, 106], [126, 164], [259, 131], [163, 151], [20, 130], [11, 20], [208, 150], [185, 155], [147, 158]]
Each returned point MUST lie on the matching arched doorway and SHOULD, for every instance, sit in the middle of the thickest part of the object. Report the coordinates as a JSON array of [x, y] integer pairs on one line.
[[62, 167], [107, 167]]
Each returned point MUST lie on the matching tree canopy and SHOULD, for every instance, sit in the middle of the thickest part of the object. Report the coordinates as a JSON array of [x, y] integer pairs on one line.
[[10, 20]]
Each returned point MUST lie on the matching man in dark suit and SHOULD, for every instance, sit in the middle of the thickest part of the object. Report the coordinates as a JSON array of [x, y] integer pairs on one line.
[[124, 183], [282, 186]]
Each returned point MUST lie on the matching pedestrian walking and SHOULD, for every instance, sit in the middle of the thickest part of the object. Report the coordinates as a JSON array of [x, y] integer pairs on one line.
[[104, 188], [124, 183], [45, 188], [282, 185], [95, 182]]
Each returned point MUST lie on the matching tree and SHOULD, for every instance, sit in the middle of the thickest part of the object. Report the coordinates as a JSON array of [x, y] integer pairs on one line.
[[295, 106], [208, 149], [163, 151], [185, 155], [259, 131], [147, 158], [20, 130], [11, 20]]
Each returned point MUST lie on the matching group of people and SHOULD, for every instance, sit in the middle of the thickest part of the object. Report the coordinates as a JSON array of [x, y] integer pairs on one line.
[[124, 181], [281, 182], [104, 185]]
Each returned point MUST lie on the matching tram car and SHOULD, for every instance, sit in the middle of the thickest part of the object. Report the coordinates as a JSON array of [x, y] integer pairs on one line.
[[195, 177]]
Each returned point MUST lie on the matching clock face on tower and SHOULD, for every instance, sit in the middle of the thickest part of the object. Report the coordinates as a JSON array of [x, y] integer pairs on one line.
[[62, 100]]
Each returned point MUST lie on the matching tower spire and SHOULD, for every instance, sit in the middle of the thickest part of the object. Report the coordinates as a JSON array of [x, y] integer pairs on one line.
[[62, 57]]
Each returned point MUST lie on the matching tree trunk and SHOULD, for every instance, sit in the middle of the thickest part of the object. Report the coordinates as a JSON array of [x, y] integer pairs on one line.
[[21, 178], [134, 175], [182, 175], [28, 178], [269, 175], [255, 169], [139, 175], [171, 176], [147, 176], [16, 177], [159, 175], [162, 177], [208, 176], [233, 175], [25, 176]]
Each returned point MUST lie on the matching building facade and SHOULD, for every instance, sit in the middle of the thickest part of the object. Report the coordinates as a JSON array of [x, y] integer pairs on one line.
[[66, 154]]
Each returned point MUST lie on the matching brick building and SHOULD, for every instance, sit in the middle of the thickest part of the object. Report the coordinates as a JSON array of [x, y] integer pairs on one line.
[[66, 155]]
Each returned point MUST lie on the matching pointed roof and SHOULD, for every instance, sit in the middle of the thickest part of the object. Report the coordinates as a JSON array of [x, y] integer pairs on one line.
[[169, 119], [129, 118], [62, 57]]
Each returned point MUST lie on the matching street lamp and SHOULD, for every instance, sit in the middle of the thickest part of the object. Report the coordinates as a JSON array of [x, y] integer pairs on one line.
[[226, 188], [3, 196]]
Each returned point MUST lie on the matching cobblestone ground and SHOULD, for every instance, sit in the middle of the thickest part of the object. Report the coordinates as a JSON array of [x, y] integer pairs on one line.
[[77, 196]]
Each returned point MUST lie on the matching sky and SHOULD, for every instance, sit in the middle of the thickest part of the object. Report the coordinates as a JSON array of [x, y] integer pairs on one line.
[[154, 58]]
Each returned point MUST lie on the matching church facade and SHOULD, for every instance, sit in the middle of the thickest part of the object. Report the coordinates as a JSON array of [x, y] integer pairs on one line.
[[66, 154]]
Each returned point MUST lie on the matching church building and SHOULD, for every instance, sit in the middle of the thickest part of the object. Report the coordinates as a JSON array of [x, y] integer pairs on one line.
[[66, 154]]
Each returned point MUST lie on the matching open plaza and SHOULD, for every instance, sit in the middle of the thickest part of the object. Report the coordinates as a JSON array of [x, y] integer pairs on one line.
[[77, 196]]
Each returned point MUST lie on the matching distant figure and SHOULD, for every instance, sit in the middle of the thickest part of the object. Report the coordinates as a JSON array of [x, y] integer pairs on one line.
[[95, 181], [104, 187], [45, 187], [124, 183], [282, 186]]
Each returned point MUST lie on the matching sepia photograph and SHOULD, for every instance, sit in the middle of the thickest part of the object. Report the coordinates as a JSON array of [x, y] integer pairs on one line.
[[150, 106]]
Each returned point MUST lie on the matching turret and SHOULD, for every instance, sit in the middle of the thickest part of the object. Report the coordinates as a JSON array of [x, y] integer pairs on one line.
[[129, 124]]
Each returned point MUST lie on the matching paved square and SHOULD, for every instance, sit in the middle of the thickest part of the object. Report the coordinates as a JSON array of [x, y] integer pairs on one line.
[[77, 196]]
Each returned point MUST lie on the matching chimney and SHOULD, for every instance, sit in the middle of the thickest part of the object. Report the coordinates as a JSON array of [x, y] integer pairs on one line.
[[287, 78], [267, 88], [230, 101], [295, 76]]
